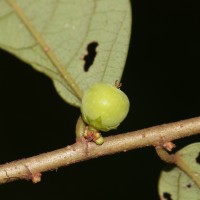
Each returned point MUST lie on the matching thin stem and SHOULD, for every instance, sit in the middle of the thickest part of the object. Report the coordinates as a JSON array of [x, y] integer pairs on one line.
[[177, 160], [48, 51], [164, 155], [31, 168], [186, 168]]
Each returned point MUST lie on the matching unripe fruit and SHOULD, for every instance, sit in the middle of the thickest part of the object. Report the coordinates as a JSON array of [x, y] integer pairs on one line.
[[104, 106]]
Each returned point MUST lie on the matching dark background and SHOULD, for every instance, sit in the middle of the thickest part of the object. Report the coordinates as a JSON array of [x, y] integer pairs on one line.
[[161, 79]]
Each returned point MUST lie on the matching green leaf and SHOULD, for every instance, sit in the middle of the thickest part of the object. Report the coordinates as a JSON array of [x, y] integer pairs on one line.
[[53, 37], [175, 184]]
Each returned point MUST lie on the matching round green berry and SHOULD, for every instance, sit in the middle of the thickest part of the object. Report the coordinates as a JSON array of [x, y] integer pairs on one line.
[[104, 106]]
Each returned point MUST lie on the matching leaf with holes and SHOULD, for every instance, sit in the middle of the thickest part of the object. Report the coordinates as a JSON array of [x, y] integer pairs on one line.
[[174, 184], [76, 43]]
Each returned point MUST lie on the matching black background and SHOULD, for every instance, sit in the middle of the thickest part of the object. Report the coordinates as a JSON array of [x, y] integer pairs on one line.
[[161, 78]]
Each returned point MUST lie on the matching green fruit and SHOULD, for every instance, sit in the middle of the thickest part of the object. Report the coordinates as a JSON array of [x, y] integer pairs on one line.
[[104, 106]]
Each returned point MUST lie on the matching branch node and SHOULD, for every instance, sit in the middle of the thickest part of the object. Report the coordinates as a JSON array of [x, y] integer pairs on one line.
[[164, 155], [169, 146], [36, 177]]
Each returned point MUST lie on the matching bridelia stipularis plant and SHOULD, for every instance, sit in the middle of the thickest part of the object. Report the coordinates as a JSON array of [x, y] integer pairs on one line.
[[104, 107]]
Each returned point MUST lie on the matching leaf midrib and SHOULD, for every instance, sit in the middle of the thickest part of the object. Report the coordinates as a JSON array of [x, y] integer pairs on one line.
[[46, 49]]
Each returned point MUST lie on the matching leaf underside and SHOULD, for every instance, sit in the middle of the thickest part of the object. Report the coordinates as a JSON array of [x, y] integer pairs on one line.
[[175, 184], [68, 27]]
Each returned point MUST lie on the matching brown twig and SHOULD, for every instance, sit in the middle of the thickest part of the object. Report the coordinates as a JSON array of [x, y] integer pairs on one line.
[[154, 136]]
